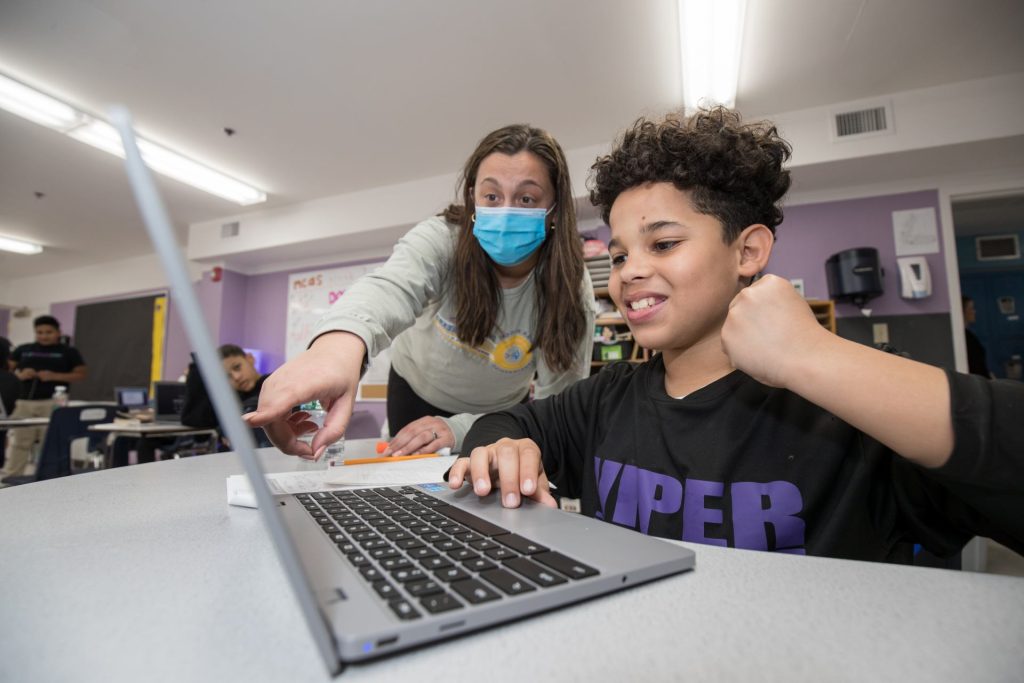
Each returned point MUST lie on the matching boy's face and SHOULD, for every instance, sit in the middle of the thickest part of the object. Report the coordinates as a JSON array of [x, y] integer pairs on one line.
[[47, 335], [241, 372], [672, 275]]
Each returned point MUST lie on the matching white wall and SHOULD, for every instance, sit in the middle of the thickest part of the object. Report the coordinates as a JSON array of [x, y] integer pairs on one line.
[[102, 280]]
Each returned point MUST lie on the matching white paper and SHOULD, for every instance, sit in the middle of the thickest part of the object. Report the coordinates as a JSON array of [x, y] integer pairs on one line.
[[915, 232], [421, 471]]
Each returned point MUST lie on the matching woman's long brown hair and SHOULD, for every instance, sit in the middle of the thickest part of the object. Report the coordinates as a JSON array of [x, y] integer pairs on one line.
[[560, 308]]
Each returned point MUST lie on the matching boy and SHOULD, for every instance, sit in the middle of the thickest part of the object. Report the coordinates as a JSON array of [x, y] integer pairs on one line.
[[198, 411], [41, 367], [754, 427]]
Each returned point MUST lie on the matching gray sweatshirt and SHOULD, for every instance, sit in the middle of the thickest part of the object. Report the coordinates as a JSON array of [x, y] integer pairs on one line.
[[409, 304]]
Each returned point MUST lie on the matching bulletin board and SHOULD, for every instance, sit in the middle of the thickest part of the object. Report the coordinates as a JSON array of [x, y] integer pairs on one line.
[[310, 295]]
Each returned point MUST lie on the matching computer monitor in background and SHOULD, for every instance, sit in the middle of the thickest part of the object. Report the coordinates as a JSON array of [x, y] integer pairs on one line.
[[169, 400], [131, 397]]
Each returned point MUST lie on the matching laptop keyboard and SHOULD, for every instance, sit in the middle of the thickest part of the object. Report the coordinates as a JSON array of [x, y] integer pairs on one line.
[[421, 555]]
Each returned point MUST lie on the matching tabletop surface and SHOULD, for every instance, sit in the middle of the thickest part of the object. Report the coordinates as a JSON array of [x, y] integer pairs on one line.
[[146, 428], [23, 421], [145, 573]]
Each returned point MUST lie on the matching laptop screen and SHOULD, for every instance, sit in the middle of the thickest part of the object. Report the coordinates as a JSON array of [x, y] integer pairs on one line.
[[170, 399], [131, 397]]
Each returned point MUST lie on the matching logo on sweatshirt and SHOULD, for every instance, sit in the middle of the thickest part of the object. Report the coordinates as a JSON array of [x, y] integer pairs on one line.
[[642, 499], [510, 353]]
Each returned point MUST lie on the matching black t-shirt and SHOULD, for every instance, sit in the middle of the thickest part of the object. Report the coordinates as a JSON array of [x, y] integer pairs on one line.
[[10, 387], [198, 410], [55, 358], [744, 465]]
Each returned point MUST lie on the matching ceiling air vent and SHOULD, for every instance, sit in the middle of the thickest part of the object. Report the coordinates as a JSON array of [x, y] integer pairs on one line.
[[862, 121], [997, 248], [229, 230]]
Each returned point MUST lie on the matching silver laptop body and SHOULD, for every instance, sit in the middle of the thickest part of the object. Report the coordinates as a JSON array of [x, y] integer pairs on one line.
[[347, 617]]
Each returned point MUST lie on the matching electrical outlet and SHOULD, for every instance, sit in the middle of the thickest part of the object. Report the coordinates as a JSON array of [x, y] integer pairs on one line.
[[880, 331]]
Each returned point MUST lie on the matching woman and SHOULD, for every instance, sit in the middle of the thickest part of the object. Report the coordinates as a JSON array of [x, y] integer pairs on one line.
[[473, 304]]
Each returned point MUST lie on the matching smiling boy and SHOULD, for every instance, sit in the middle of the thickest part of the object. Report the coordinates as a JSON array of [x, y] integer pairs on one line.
[[753, 427]]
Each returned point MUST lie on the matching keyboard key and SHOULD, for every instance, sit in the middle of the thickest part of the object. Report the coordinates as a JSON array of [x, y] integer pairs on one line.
[[370, 573], [422, 588], [383, 553], [391, 563], [541, 576], [480, 564], [500, 553], [442, 602], [470, 520], [566, 565], [436, 562], [474, 592], [409, 574], [358, 559], [520, 544], [507, 581], [450, 574], [410, 542], [422, 553], [463, 554], [404, 610]]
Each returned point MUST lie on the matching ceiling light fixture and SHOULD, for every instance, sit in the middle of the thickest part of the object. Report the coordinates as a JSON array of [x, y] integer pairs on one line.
[[710, 38], [33, 105], [19, 246]]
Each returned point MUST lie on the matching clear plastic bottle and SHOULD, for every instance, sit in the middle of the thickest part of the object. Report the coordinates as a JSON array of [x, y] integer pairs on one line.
[[60, 397], [335, 452]]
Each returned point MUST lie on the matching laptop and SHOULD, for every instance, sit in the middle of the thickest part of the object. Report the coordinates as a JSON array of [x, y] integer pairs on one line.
[[379, 570], [132, 398], [168, 400]]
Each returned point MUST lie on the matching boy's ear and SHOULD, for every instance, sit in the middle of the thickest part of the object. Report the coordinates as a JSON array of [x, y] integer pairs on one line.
[[754, 247]]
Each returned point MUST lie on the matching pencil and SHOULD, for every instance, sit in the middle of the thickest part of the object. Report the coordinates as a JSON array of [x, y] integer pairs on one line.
[[393, 458]]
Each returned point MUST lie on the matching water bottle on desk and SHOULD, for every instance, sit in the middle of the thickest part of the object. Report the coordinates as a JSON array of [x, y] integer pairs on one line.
[[334, 454], [60, 397]]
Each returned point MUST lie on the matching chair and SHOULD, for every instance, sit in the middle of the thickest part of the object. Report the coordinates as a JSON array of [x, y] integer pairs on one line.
[[66, 425]]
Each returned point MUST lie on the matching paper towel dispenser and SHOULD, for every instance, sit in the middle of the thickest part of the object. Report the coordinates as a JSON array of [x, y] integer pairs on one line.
[[854, 275]]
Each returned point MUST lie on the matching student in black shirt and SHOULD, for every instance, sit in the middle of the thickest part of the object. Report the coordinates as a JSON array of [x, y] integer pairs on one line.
[[753, 427], [197, 410], [41, 367]]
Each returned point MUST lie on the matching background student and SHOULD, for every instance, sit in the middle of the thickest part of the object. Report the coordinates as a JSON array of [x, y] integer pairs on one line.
[[41, 367], [754, 427], [473, 303], [197, 410], [977, 361]]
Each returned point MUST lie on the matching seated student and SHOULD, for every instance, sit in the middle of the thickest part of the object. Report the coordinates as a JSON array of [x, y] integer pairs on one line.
[[754, 427], [197, 410]]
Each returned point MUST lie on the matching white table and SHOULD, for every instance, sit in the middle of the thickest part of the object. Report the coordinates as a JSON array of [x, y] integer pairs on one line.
[[15, 422], [144, 573], [148, 429]]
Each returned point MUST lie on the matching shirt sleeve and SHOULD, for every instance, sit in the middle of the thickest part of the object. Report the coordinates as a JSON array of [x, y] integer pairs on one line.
[[550, 382], [382, 304], [75, 357], [980, 489]]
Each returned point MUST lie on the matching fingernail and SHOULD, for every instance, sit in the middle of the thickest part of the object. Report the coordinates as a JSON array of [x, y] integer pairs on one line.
[[528, 486], [511, 500], [480, 486]]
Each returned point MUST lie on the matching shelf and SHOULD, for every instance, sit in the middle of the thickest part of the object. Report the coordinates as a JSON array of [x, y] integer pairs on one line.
[[825, 311]]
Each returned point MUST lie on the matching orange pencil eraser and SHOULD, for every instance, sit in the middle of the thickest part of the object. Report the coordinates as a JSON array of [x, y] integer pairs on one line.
[[381, 446]]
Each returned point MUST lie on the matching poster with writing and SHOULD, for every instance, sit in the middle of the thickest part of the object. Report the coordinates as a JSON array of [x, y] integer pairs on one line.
[[310, 295]]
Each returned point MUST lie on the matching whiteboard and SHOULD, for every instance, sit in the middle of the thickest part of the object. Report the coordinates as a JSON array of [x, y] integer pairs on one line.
[[310, 295]]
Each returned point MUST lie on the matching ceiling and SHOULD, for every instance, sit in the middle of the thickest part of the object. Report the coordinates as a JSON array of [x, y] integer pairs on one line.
[[328, 97]]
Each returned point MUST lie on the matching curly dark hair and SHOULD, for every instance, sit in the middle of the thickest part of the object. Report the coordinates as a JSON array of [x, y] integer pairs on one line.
[[732, 170]]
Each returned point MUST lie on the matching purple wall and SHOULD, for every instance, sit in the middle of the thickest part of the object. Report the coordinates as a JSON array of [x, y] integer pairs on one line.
[[811, 233]]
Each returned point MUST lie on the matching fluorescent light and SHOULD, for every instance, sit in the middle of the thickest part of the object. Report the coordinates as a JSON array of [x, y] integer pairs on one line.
[[22, 100], [19, 246], [710, 38], [19, 99]]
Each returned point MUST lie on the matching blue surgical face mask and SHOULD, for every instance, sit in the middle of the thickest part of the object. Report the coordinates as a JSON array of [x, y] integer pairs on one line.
[[509, 235]]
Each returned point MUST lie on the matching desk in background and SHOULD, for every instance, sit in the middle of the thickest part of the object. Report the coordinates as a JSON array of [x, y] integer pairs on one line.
[[139, 430], [145, 573], [15, 422]]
